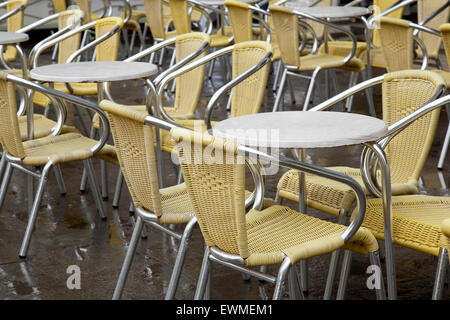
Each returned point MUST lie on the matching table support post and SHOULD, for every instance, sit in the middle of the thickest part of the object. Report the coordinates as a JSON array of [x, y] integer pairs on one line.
[[302, 208]]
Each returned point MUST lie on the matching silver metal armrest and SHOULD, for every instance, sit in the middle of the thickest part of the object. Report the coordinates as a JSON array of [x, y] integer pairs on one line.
[[160, 112], [219, 93], [104, 124], [12, 12], [54, 41], [93, 44], [347, 93], [353, 3], [336, 27], [431, 16]]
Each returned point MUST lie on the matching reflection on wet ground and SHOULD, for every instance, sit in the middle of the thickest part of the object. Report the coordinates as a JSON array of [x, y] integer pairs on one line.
[[70, 232]]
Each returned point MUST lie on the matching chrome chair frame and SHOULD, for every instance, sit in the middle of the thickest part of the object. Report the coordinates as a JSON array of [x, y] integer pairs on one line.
[[15, 163], [372, 158], [236, 262], [292, 70]]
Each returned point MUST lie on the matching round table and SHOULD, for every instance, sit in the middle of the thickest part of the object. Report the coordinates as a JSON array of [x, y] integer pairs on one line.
[[12, 37], [95, 71], [329, 12], [306, 129], [301, 129]]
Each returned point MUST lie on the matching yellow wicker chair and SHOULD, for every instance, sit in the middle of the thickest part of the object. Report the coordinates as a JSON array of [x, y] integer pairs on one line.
[[15, 12], [188, 46], [47, 152], [403, 93], [286, 26], [376, 55], [274, 235], [251, 65], [417, 223], [107, 49], [432, 43], [133, 140]]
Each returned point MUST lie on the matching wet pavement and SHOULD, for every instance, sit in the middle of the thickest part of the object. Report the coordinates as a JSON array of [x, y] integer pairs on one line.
[[69, 232]]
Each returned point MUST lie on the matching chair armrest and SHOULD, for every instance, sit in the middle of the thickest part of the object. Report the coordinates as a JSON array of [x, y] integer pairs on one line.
[[333, 26], [12, 12], [230, 85], [160, 112], [104, 124], [353, 3], [48, 44], [347, 93], [93, 44], [316, 170]]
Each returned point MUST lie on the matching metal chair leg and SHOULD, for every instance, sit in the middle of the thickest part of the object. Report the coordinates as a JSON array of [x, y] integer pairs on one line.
[[60, 180], [352, 83], [444, 149], [344, 275], [94, 187], [310, 88], [304, 275], [281, 277], [203, 277], [118, 189], [178, 266], [104, 178], [375, 260], [277, 76], [2, 165], [34, 211], [128, 259], [279, 97], [5, 182], [295, 289], [440, 274]]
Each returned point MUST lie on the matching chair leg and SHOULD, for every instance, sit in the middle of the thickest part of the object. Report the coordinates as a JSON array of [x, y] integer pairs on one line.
[[310, 89], [281, 277], [60, 180], [94, 187], [34, 211], [128, 258], [118, 189], [444, 149], [104, 178], [352, 83], [2, 165], [304, 275], [277, 76], [375, 260], [440, 274], [279, 97], [295, 289], [203, 277], [211, 67], [335, 256], [178, 266], [5, 182], [344, 275], [369, 93]]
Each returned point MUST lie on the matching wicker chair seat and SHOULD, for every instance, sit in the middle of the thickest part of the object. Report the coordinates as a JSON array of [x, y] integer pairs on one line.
[[63, 148], [416, 221], [311, 62], [42, 127], [280, 230], [330, 196]]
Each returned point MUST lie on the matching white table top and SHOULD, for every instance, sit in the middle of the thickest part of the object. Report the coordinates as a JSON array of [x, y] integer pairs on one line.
[[96, 71], [221, 2], [12, 37], [328, 12], [301, 129]]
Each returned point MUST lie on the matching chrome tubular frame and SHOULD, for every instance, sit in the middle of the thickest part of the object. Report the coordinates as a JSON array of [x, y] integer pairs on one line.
[[220, 92], [12, 12], [104, 124], [163, 83]]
